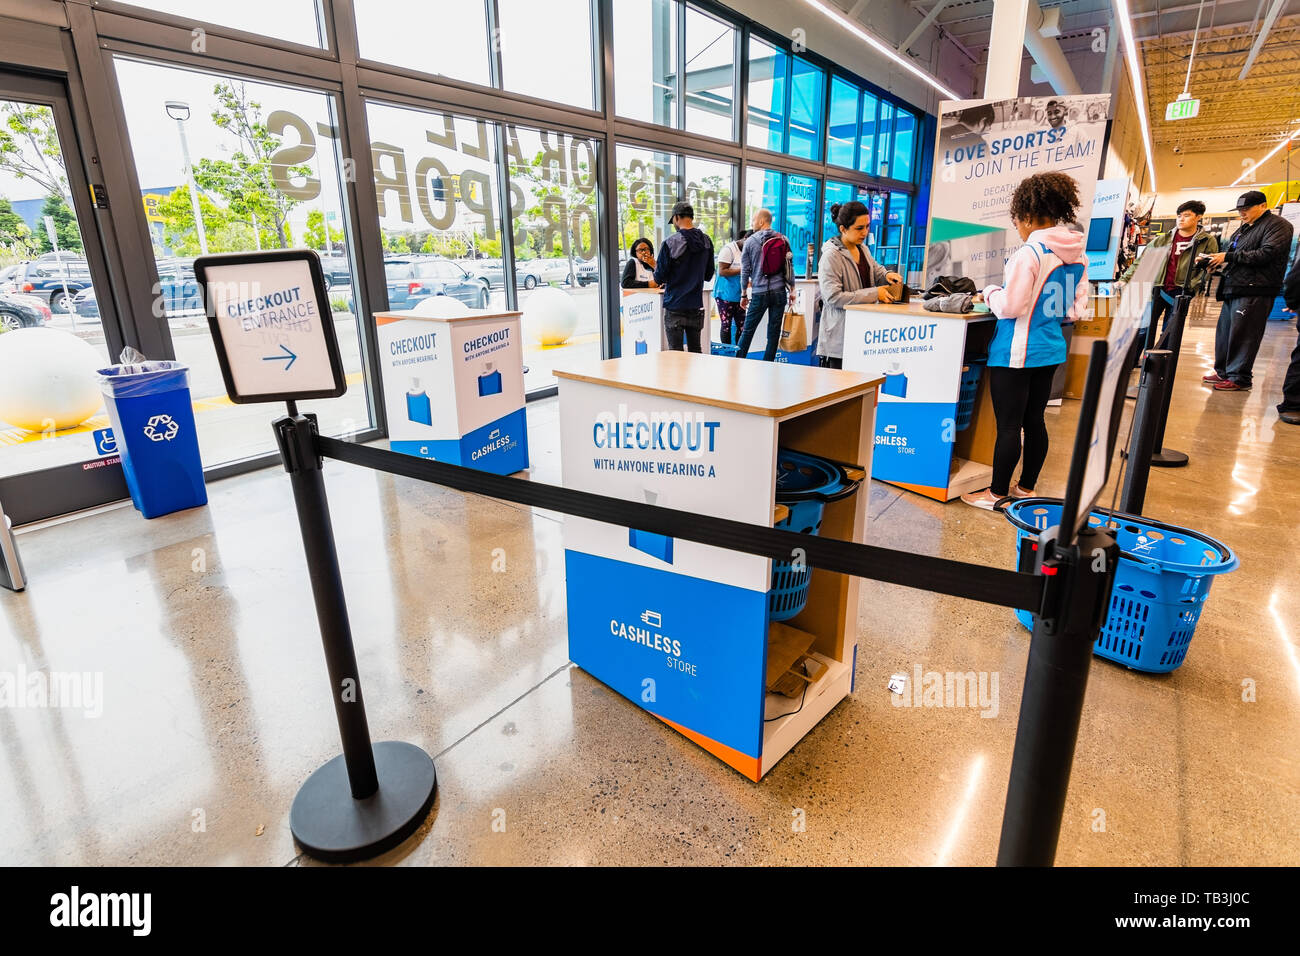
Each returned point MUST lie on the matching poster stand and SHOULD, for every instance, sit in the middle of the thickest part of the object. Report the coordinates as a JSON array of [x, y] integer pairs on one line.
[[12, 576]]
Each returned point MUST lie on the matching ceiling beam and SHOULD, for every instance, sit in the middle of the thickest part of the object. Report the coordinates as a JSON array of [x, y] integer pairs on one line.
[[1273, 11], [922, 26]]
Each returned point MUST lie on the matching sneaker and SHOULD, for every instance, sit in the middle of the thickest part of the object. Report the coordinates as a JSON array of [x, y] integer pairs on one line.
[[1213, 379], [1291, 418], [1018, 492], [985, 500], [1230, 386]]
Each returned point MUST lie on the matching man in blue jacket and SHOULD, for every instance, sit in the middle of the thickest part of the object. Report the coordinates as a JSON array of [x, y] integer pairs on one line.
[[685, 263]]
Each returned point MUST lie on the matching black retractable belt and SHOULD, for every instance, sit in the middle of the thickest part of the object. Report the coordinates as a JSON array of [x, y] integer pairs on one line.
[[957, 578]]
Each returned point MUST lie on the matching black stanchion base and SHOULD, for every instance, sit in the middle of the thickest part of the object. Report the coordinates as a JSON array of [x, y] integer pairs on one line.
[[333, 827], [1168, 458]]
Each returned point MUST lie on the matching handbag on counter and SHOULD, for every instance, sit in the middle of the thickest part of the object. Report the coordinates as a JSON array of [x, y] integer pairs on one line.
[[794, 334]]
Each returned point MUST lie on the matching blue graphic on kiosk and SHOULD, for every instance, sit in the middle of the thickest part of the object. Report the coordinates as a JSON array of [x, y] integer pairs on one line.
[[500, 447], [702, 644], [914, 442]]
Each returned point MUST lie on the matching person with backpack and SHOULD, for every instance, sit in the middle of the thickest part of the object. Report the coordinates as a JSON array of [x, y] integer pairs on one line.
[[767, 271], [1046, 286], [848, 276], [685, 263], [726, 289]]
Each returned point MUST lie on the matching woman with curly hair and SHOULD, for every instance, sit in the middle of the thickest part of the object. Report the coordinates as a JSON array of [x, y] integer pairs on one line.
[[1046, 287]]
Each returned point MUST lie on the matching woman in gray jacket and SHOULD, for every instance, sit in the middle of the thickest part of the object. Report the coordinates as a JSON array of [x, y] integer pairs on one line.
[[848, 276]]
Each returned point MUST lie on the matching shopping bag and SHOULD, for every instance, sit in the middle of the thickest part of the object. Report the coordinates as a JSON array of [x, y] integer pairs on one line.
[[794, 336]]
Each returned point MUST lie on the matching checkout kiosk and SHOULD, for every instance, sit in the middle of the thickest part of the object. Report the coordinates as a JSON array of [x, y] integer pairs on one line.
[[682, 629], [935, 428]]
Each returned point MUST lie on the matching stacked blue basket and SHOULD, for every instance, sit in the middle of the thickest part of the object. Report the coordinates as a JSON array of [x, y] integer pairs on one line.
[[719, 348], [970, 384], [1161, 585], [804, 484]]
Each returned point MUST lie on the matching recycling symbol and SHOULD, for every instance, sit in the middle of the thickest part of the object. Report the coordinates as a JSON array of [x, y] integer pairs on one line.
[[161, 428]]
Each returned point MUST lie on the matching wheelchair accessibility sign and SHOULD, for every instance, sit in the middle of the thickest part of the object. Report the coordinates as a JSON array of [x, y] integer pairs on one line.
[[105, 443]]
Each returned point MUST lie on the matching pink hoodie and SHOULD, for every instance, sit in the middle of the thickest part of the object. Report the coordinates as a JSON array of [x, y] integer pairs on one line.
[[1016, 299]]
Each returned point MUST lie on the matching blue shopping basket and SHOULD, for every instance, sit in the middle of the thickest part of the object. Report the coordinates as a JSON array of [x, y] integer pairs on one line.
[[1161, 585], [804, 484]]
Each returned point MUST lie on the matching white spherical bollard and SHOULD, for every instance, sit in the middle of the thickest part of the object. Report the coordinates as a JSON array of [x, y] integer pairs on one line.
[[441, 307], [550, 316], [47, 379]]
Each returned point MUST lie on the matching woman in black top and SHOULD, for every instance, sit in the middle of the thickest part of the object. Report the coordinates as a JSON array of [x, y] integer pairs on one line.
[[639, 273]]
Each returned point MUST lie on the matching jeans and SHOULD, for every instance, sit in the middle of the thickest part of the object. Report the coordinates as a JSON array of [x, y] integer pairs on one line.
[[1020, 397], [1291, 387], [1159, 305], [685, 326], [1236, 340], [829, 361], [773, 303]]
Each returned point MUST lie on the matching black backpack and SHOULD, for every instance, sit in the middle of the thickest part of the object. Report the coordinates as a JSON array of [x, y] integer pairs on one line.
[[949, 285]]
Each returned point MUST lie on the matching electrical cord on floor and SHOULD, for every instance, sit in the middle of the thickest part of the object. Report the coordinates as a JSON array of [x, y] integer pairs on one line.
[[768, 720]]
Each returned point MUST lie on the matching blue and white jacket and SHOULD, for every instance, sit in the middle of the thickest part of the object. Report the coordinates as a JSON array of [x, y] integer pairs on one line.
[[1046, 287]]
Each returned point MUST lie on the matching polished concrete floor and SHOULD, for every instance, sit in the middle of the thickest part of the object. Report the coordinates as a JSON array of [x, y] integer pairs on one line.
[[215, 704]]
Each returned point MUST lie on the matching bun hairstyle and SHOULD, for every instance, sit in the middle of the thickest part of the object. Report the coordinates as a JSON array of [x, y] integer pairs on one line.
[[845, 214]]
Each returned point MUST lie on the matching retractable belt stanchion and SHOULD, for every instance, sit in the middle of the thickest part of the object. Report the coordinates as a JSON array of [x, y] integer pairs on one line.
[[1172, 340], [1153, 395], [271, 323], [369, 798]]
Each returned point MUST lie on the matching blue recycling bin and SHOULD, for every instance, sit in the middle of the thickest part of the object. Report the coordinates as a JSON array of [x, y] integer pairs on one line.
[[153, 422]]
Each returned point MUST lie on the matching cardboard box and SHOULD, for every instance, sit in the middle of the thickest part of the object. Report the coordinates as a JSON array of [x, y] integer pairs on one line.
[[1101, 308], [1076, 373]]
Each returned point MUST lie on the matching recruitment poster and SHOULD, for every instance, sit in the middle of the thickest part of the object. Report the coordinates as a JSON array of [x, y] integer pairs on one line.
[[983, 151]]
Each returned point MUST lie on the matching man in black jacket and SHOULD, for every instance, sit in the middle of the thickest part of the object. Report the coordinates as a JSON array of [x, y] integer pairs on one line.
[[1289, 410], [685, 264], [1256, 261]]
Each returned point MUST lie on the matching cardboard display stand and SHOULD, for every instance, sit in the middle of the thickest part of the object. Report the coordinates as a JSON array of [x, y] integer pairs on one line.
[[680, 628], [454, 388], [921, 356], [643, 322]]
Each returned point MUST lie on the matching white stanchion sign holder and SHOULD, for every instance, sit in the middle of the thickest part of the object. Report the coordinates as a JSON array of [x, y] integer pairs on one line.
[[271, 321]]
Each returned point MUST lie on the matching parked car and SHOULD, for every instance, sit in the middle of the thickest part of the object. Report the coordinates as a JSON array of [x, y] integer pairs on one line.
[[411, 280], [18, 311], [9, 279], [178, 291], [337, 270], [57, 282], [588, 272], [489, 271]]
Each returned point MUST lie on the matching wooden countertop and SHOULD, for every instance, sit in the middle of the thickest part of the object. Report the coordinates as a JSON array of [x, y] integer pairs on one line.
[[474, 315], [761, 388], [916, 308], [658, 291]]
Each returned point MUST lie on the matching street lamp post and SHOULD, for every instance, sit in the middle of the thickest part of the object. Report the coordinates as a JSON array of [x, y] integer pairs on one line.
[[180, 112]]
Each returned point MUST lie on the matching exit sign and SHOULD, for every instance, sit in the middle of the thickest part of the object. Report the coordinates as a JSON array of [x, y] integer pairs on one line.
[[1182, 109]]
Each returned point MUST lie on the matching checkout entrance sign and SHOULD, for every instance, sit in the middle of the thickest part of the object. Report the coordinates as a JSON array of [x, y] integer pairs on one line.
[[272, 324]]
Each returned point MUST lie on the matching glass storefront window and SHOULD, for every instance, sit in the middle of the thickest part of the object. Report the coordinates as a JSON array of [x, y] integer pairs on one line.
[[545, 49], [904, 144], [267, 167], [884, 139], [710, 75], [647, 188], [554, 216], [709, 188], [645, 60], [867, 135], [398, 32], [436, 186], [765, 127], [807, 92], [842, 129], [763, 190], [297, 21], [835, 193], [798, 223]]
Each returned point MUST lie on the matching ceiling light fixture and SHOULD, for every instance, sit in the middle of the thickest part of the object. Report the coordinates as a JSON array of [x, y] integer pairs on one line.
[[1271, 153], [1125, 21], [881, 47]]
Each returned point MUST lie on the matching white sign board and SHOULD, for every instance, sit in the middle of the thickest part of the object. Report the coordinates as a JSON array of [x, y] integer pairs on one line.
[[272, 325]]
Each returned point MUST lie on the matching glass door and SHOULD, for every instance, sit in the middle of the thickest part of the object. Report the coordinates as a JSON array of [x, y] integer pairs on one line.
[[55, 328]]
